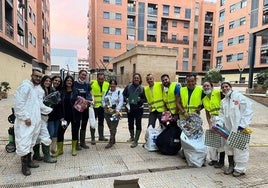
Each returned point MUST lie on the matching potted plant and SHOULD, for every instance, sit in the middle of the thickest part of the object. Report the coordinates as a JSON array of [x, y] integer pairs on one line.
[[4, 87]]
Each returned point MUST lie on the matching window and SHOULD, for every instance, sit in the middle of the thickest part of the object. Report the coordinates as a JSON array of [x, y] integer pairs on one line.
[[230, 41], [231, 25], [106, 45], [240, 56], [186, 25], [222, 15], [106, 30], [243, 3], [118, 31], [177, 10], [118, 16], [218, 62], [106, 59], [106, 15], [222, 2], [188, 13], [221, 31], [229, 58], [165, 10], [243, 21], [174, 23], [241, 38], [185, 38], [219, 46], [174, 37], [118, 2], [106, 1], [185, 65], [185, 52], [117, 45], [30, 37]]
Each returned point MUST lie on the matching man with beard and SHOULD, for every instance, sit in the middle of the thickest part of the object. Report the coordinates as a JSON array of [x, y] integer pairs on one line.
[[28, 108]]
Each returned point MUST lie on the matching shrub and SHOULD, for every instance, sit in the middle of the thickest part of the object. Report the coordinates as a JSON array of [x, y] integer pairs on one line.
[[213, 75]]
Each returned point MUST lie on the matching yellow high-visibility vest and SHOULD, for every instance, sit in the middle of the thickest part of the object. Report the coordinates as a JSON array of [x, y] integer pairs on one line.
[[155, 97], [213, 103], [195, 100], [97, 93], [170, 98]]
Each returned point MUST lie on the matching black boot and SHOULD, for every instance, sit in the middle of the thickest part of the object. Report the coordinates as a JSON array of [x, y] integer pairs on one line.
[[36, 155], [24, 166], [47, 158], [136, 139], [92, 133], [82, 139], [220, 164], [31, 164], [230, 169], [131, 139], [111, 142]]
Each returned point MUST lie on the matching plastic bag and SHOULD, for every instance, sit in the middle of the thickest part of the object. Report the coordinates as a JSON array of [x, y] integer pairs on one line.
[[150, 137], [80, 104], [222, 131], [52, 99], [92, 119]]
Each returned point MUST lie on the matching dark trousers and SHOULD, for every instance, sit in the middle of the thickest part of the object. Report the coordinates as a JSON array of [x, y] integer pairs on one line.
[[153, 116], [84, 120], [111, 124], [135, 115], [99, 113], [74, 129]]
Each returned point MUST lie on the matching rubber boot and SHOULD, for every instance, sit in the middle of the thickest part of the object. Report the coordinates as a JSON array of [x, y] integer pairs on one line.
[[47, 157], [74, 143], [59, 149], [31, 164], [24, 166], [82, 139], [36, 155], [101, 136], [220, 164], [53, 145], [111, 142], [136, 139], [131, 139], [92, 133], [230, 169]]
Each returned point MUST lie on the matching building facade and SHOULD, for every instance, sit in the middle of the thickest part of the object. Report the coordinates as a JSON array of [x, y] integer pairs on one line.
[[24, 39], [116, 26], [236, 21], [83, 64]]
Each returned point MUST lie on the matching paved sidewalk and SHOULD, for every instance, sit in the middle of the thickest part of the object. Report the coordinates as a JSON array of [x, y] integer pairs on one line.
[[99, 167]]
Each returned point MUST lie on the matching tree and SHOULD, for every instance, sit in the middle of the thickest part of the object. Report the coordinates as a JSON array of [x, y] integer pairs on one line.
[[262, 78], [213, 75]]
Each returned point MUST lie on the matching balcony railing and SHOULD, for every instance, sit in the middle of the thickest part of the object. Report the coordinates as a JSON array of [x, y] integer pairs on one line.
[[186, 42], [9, 30]]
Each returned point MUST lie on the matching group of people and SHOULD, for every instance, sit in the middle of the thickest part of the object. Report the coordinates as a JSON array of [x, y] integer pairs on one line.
[[37, 124]]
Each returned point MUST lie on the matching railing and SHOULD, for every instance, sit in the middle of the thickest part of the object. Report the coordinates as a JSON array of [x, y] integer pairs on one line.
[[175, 41], [9, 30]]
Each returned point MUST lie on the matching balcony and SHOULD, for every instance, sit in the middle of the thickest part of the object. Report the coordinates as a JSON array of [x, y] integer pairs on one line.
[[208, 31], [172, 41], [206, 56], [9, 30]]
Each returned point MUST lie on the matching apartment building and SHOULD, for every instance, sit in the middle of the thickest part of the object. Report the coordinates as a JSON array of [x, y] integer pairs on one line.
[[83, 64], [24, 39], [241, 38], [116, 26]]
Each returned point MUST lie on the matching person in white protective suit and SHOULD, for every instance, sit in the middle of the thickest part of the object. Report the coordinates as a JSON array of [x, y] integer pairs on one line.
[[28, 109], [235, 113]]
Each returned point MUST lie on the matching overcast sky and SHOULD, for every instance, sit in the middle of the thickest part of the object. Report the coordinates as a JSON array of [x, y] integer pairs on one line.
[[68, 25]]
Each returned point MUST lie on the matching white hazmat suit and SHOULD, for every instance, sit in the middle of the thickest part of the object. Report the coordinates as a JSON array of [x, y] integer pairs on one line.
[[236, 110], [27, 105]]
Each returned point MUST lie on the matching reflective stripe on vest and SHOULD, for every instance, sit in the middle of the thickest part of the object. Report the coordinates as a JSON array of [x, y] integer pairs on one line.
[[96, 92]]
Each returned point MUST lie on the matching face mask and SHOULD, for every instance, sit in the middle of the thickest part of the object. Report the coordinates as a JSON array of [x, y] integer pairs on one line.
[[207, 92], [228, 93]]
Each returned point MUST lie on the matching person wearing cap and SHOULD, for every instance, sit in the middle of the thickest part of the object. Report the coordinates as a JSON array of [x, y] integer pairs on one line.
[[211, 102], [235, 114]]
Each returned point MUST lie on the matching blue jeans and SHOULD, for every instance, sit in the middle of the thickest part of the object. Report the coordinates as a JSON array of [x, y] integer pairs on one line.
[[52, 127]]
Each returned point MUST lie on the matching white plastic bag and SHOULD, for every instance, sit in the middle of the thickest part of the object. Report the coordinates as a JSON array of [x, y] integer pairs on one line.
[[194, 150], [92, 119], [150, 137]]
